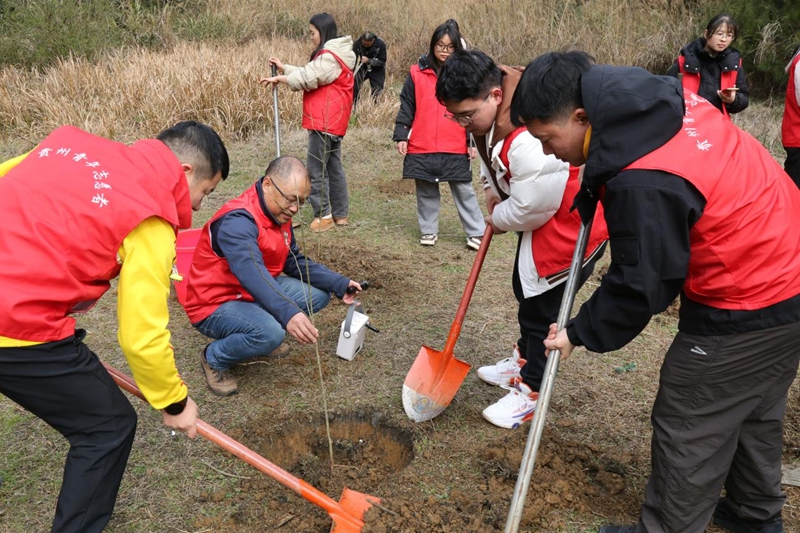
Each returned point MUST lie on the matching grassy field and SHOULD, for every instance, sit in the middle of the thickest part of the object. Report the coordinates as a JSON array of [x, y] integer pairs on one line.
[[173, 484], [599, 417]]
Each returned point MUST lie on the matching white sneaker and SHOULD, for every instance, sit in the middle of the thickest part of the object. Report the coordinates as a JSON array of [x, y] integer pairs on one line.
[[503, 372], [514, 408], [429, 239]]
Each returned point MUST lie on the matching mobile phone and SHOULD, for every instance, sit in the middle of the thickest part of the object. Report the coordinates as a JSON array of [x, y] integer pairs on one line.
[[730, 89]]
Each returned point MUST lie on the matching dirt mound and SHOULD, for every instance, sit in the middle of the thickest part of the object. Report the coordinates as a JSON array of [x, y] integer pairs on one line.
[[371, 457]]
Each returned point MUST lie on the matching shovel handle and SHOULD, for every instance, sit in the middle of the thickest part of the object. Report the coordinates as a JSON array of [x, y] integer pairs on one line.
[[455, 329], [275, 112], [546, 389], [339, 515]]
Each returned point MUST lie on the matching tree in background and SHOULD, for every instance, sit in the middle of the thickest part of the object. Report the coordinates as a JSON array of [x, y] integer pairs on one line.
[[769, 32]]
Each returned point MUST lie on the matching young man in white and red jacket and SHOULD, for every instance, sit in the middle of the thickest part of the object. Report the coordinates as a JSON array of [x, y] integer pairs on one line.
[[78, 211], [527, 192], [697, 207]]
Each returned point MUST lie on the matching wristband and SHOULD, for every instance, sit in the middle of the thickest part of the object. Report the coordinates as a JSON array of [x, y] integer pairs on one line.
[[174, 409]]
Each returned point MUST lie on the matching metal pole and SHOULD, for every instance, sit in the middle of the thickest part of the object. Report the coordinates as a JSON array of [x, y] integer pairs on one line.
[[546, 390], [275, 112]]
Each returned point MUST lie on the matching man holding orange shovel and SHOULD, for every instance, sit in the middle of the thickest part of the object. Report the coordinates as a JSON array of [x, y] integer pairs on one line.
[[79, 211], [527, 192]]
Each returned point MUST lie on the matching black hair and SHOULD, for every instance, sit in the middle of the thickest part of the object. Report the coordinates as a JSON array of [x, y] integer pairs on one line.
[[550, 87], [440, 31], [368, 36], [326, 26], [453, 23], [282, 168], [467, 74], [719, 20], [198, 144]]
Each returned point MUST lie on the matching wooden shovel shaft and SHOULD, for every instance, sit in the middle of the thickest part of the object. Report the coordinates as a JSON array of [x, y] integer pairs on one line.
[[546, 389], [339, 515], [455, 329]]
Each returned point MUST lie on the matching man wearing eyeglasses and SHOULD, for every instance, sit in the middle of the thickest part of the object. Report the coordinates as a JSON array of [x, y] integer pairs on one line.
[[236, 293], [527, 192]]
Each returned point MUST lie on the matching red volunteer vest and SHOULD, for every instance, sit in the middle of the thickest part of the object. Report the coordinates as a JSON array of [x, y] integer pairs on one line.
[[67, 208], [431, 133], [328, 108], [553, 243], [745, 248], [790, 127], [211, 282], [691, 80]]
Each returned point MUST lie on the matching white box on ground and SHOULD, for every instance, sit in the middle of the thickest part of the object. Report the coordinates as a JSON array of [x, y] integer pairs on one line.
[[351, 342]]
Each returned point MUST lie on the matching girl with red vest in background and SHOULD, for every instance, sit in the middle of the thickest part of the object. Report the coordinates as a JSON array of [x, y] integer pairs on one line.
[[435, 148], [711, 68], [327, 82], [790, 128]]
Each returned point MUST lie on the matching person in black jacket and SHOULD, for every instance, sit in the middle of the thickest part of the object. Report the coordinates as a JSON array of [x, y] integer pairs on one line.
[[712, 69], [371, 52], [683, 218]]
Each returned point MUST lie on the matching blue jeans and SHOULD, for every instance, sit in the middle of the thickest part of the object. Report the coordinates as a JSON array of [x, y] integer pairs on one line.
[[245, 329]]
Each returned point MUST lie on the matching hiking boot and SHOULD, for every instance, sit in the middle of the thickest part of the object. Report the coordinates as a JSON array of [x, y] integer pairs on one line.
[[725, 516], [279, 352], [340, 221], [617, 529], [503, 372], [514, 408], [220, 382], [474, 243], [429, 239], [318, 225]]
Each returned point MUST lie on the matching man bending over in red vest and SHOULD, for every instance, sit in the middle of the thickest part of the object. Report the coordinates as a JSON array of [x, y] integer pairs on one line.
[[676, 179], [78, 211], [236, 293]]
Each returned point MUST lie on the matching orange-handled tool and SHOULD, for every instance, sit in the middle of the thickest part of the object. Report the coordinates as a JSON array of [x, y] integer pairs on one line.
[[347, 514]]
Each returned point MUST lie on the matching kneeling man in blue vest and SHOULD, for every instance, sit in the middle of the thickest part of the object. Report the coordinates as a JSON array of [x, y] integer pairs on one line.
[[236, 293]]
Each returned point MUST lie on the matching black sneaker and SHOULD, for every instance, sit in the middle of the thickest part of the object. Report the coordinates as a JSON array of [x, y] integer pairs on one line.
[[724, 516]]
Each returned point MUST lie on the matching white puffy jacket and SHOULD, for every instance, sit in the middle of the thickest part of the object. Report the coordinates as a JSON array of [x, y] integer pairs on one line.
[[534, 192], [323, 69]]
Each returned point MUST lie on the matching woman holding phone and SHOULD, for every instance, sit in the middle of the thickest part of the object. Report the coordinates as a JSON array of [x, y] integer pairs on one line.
[[709, 67]]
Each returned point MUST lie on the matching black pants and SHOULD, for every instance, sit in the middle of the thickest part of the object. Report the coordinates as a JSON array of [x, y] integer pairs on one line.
[[377, 78], [792, 164], [718, 423], [535, 315], [64, 384]]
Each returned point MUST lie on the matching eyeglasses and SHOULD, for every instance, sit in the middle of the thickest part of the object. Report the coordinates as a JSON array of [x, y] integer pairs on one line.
[[465, 120], [720, 34], [441, 47], [289, 203]]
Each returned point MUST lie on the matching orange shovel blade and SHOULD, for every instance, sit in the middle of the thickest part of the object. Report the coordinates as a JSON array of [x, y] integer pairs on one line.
[[432, 383], [354, 504]]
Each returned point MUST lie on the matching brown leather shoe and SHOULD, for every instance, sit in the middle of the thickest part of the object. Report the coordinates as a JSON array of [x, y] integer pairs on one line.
[[279, 352], [220, 382], [319, 225], [296, 222], [340, 221]]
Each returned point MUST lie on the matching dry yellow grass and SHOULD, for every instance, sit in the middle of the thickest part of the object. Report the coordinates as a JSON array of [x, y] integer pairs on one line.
[[133, 93]]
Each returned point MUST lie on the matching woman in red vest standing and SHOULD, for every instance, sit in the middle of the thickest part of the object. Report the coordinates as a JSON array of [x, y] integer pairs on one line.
[[435, 148], [709, 67], [790, 127], [327, 85]]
